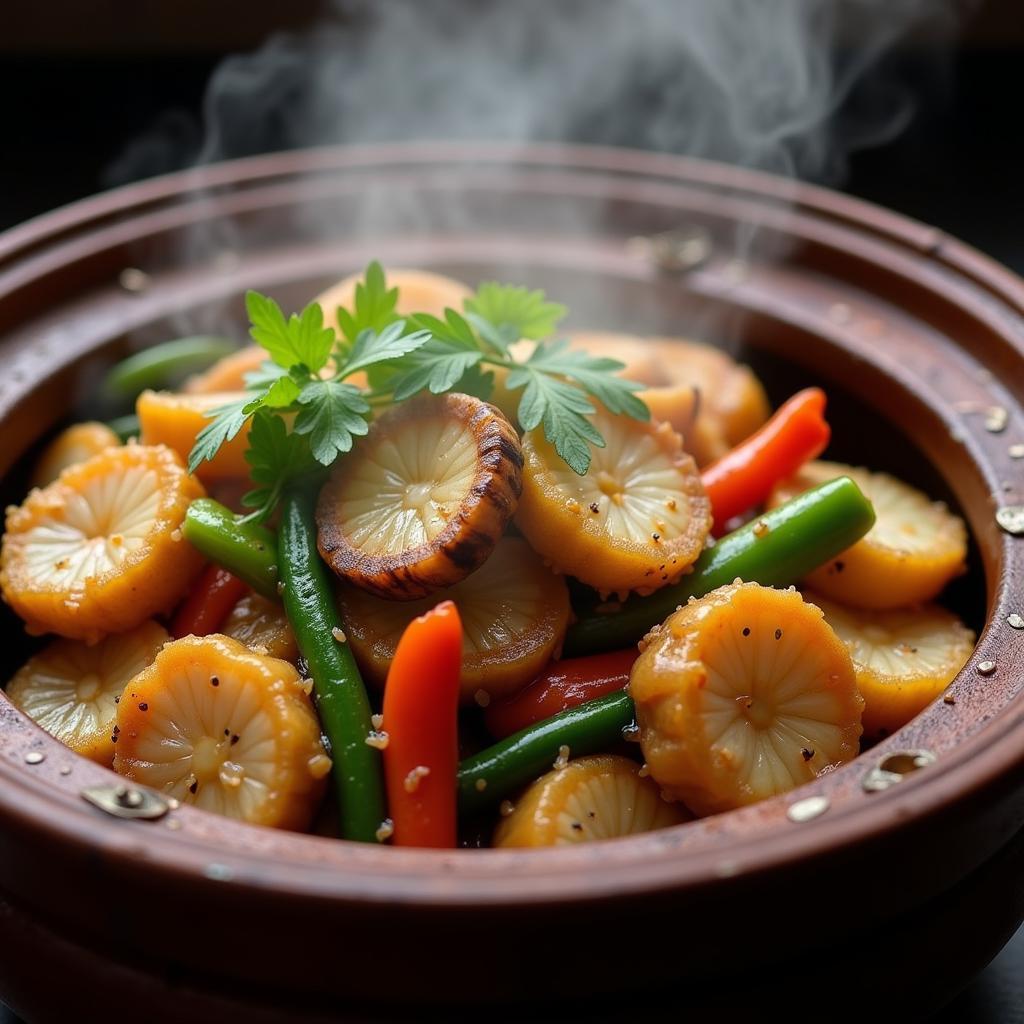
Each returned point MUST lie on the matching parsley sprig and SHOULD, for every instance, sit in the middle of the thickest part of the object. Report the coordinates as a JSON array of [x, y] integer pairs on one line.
[[307, 405]]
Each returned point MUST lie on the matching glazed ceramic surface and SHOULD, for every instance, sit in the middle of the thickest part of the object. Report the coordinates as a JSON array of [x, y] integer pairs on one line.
[[917, 338]]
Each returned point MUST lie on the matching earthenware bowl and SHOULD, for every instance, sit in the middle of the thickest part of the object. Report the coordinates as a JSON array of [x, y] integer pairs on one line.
[[866, 880]]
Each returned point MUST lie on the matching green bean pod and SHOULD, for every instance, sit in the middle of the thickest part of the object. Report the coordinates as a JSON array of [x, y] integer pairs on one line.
[[496, 772], [340, 694], [126, 427], [778, 548], [246, 549], [164, 365]]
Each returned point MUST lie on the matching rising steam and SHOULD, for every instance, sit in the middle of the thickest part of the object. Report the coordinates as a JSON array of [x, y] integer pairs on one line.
[[760, 83], [787, 86]]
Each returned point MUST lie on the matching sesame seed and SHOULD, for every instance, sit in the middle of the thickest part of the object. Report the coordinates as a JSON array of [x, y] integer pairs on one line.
[[505, 808], [385, 831], [631, 733], [1015, 620], [339, 634], [986, 668], [376, 721], [413, 779], [378, 740]]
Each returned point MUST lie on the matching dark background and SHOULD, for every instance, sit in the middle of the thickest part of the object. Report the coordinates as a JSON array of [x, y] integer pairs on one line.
[[81, 78]]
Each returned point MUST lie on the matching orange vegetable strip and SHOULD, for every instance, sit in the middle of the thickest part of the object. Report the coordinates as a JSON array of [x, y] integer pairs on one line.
[[203, 612], [744, 477], [562, 685], [421, 700]]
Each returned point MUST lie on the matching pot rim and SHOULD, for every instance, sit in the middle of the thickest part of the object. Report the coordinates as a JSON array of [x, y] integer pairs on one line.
[[38, 799]]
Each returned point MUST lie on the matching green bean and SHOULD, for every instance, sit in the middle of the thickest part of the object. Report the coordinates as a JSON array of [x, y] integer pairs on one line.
[[340, 694], [245, 549], [164, 365], [125, 426], [777, 549], [521, 757]]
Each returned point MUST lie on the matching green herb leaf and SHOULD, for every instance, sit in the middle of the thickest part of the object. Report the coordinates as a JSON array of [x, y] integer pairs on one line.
[[435, 367], [597, 376], [298, 340], [504, 313], [264, 375], [439, 364], [282, 393], [391, 343], [477, 382], [226, 422], [563, 409], [278, 458], [332, 415], [373, 308], [453, 330]]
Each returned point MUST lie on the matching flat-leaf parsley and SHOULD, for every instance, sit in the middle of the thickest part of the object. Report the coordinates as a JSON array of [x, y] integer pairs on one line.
[[316, 393]]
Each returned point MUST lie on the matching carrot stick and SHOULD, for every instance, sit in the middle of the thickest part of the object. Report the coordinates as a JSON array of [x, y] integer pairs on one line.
[[421, 699], [562, 685], [203, 612], [744, 477]]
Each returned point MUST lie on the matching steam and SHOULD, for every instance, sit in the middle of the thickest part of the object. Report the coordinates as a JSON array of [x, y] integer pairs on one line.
[[792, 87], [759, 83]]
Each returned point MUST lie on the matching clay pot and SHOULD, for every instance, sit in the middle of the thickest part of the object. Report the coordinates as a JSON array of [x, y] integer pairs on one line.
[[859, 882]]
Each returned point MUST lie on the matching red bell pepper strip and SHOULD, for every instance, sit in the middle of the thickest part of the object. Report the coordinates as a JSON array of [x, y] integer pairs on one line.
[[744, 477], [562, 685], [420, 717], [203, 612]]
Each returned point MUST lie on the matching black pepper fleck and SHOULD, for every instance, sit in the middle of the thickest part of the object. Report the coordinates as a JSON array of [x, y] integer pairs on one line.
[[235, 738], [778, 634], [195, 786], [577, 827], [840, 566], [806, 753], [143, 706], [746, 631], [214, 680], [594, 507]]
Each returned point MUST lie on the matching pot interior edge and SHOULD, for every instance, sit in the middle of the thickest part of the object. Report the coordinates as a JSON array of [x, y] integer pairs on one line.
[[771, 340]]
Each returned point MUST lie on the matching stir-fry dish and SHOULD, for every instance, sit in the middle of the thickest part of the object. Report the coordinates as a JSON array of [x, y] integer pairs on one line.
[[419, 568]]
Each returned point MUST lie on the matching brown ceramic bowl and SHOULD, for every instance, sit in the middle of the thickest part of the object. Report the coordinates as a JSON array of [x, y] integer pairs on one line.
[[914, 334]]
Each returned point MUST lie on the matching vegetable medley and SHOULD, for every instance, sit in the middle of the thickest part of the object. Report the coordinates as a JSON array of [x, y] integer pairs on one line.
[[472, 576]]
